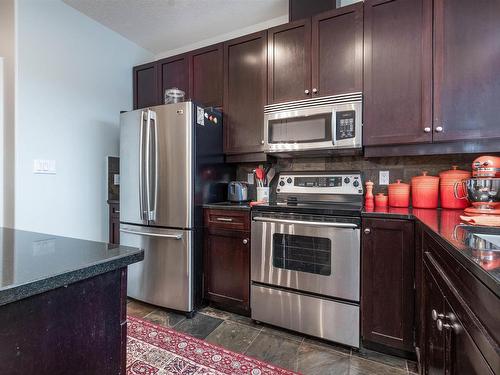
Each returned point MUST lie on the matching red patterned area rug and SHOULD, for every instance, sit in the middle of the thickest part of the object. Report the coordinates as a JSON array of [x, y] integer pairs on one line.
[[156, 350]]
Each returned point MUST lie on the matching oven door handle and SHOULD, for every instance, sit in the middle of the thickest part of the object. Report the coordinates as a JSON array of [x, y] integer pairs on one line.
[[303, 222]]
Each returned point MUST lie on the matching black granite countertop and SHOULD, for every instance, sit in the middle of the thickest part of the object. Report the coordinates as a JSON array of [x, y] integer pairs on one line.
[[447, 226], [33, 263], [228, 206]]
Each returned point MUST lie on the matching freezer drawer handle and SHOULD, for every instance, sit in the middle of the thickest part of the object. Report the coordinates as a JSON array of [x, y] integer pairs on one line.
[[174, 236], [303, 222]]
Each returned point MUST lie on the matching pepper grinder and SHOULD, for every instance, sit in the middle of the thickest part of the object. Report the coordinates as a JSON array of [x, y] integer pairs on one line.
[[369, 194]]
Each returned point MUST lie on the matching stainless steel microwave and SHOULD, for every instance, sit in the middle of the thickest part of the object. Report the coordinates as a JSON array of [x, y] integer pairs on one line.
[[316, 125]]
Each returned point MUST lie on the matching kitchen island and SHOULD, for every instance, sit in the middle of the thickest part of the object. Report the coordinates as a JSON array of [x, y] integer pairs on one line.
[[62, 304]]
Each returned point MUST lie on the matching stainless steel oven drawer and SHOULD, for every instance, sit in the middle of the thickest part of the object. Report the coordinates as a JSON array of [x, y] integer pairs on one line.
[[326, 319]]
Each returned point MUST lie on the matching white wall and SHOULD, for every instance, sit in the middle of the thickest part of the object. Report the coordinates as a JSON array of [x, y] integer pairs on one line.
[[7, 111], [74, 77]]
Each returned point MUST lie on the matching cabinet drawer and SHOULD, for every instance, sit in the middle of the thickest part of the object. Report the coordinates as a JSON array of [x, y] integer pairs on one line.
[[227, 219]]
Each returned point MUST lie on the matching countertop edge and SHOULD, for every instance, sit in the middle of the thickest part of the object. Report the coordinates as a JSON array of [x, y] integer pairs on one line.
[[20, 292]]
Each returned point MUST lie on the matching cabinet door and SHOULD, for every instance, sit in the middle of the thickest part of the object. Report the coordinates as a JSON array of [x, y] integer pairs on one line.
[[397, 72], [227, 268], [206, 75], [289, 62], [387, 303], [435, 343], [245, 93], [337, 51], [462, 355], [173, 72], [466, 69], [145, 85]]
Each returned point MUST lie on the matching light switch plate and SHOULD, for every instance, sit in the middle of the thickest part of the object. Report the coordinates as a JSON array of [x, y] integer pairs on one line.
[[116, 179], [250, 179], [44, 166], [383, 177]]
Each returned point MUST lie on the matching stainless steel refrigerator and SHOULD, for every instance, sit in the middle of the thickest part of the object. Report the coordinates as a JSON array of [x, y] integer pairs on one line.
[[171, 163]]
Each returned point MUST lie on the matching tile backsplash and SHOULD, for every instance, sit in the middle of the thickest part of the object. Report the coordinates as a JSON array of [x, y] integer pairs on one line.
[[404, 167]]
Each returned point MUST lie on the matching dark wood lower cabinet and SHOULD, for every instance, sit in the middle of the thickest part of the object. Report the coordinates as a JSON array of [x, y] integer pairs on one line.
[[78, 329], [226, 270], [459, 317], [387, 291]]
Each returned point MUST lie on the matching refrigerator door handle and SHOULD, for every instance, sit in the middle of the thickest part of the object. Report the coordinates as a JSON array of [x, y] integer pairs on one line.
[[141, 165], [154, 167], [173, 236], [148, 165]]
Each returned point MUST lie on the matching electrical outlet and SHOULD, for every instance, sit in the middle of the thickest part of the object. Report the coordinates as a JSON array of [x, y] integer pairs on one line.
[[42, 166], [383, 177]]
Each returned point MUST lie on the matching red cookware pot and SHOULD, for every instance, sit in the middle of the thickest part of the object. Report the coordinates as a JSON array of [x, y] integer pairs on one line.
[[399, 194], [448, 180], [381, 200], [425, 191]]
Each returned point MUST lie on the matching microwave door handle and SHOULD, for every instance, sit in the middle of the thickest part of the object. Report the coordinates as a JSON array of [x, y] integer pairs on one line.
[[304, 222], [334, 127], [141, 165]]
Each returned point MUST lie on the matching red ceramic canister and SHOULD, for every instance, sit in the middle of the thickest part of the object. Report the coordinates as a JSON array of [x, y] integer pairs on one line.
[[425, 191], [399, 194], [447, 182], [381, 200]]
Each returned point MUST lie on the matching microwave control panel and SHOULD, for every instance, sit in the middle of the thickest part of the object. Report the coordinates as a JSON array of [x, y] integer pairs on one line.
[[348, 183], [345, 124]]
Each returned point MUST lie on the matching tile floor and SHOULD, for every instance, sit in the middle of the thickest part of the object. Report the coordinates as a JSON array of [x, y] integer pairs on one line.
[[273, 345]]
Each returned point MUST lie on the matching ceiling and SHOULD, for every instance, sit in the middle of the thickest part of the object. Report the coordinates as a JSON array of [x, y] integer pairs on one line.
[[165, 25]]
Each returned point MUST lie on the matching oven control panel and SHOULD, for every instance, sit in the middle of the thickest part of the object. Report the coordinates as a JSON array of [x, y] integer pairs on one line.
[[328, 183]]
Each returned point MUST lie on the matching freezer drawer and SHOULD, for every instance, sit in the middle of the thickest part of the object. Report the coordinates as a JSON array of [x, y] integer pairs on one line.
[[164, 277], [326, 319]]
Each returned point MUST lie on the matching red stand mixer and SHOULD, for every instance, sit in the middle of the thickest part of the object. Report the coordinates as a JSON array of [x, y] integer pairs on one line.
[[483, 189]]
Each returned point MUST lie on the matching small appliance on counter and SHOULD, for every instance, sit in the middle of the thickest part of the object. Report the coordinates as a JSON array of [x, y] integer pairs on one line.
[[483, 189], [237, 192]]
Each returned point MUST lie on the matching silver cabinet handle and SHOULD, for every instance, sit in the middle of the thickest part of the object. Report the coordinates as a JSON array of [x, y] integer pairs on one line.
[[174, 236], [427, 129], [306, 92], [435, 315], [262, 142], [315, 90], [226, 219], [245, 241], [303, 222], [367, 231], [117, 211], [439, 129]]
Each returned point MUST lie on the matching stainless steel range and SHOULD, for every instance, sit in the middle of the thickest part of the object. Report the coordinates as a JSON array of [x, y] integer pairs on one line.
[[305, 264]]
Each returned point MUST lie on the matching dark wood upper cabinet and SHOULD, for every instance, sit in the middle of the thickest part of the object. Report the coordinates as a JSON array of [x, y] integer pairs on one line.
[[245, 93], [206, 75], [337, 51], [466, 69], [387, 293], [173, 72], [300, 9], [145, 85], [397, 72], [289, 62]]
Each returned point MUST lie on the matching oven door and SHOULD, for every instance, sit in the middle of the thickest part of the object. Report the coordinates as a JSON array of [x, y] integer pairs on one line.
[[321, 257]]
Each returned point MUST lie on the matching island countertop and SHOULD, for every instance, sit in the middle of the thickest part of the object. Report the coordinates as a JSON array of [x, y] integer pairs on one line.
[[32, 263]]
